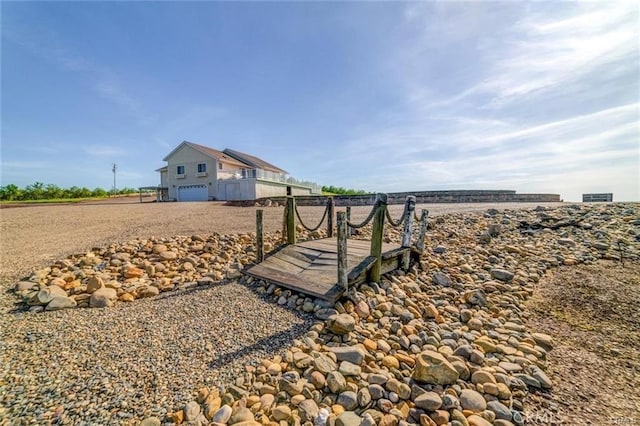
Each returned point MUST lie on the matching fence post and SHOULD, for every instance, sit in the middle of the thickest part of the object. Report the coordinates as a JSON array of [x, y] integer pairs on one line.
[[423, 230], [408, 230], [348, 220], [259, 237], [291, 220], [342, 250], [376, 235], [331, 206]]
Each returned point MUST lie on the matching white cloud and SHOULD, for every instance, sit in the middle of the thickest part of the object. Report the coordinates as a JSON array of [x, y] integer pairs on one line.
[[104, 151]]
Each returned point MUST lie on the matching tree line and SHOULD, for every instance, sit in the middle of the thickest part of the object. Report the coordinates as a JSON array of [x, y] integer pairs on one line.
[[338, 190], [41, 191]]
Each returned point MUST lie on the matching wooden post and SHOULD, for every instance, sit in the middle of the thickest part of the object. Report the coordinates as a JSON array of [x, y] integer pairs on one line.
[[348, 220], [259, 237], [291, 220], [331, 206], [376, 236], [408, 230], [423, 230], [342, 250], [140, 189]]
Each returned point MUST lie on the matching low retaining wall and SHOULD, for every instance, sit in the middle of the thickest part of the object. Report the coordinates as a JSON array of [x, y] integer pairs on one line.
[[422, 197]]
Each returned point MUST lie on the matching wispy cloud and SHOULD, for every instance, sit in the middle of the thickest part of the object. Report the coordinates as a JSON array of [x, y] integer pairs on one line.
[[47, 45], [104, 151], [546, 53]]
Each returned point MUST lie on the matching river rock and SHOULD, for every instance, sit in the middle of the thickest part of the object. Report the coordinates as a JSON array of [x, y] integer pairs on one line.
[[94, 283], [472, 400], [103, 298], [341, 324], [60, 302], [432, 367], [348, 418], [308, 410], [502, 275], [354, 355], [428, 401]]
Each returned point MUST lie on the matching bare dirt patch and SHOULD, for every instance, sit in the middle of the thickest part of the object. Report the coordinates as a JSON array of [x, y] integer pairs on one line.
[[592, 313]]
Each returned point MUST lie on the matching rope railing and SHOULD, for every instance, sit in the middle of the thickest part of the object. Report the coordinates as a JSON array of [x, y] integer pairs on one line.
[[367, 220], [324, 215], [402, 219]]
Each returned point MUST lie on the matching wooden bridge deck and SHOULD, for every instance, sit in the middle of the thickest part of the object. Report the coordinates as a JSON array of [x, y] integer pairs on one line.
[[311, 267]]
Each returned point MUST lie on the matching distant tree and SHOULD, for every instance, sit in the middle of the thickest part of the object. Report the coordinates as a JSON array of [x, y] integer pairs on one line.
[[99, 192], [10, 192], [342, 191], [53, 191]]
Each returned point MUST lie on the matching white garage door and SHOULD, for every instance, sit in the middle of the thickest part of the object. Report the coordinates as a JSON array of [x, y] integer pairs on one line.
[[192, 193]]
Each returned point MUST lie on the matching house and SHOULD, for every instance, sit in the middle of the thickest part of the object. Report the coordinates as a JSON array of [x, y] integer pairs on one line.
[[198, 173]]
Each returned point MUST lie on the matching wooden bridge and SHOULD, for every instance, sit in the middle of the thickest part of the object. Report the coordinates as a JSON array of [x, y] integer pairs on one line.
[[326, 268]]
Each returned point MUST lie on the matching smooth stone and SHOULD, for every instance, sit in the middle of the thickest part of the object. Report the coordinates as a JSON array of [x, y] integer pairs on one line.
[[308, 410], [191, 411], [502, 275], [222, 415], [428, 401], [151, 421], [94, 283], [348, 418], [336, 382], [349, 369], [103, 298], [432, 367], [539, 375], [478, 421], [442, 279], [501, 410], [354, 355], [341, 324], [472, 400], [241, 414], [60, 302], [349, 400], [147, 291]]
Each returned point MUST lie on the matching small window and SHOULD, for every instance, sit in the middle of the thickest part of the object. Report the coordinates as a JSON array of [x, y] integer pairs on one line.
[[220, 166], [180, 170], [202, 167]]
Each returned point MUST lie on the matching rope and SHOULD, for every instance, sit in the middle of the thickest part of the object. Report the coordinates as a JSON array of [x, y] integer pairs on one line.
[[402, 218], [366, 221], [319, 224]]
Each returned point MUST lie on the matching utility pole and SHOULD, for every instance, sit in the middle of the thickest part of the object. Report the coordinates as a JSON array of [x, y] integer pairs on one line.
[[115, 167]]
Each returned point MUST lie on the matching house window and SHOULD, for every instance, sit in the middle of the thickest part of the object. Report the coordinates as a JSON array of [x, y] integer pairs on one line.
[[202, 167], [180, 170], [220, 166]]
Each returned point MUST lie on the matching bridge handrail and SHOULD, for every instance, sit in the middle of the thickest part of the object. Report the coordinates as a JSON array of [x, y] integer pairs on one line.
[[324, 215]]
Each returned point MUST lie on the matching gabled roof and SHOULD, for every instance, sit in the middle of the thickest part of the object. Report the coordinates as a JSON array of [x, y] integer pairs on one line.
[[210, 152], [162, 169], [253, 161]]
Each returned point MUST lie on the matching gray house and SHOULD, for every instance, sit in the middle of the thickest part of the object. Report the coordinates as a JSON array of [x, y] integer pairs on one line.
[[198, 173]]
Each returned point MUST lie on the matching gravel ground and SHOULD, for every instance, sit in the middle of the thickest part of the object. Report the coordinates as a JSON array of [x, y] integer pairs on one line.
[[595, 364], [118, 365]]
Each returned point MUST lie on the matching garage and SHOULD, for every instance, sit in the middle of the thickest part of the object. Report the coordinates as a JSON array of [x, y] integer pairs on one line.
[[193, 193]]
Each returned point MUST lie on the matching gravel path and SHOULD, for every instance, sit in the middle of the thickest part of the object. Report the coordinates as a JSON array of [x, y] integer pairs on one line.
[[122, 364]]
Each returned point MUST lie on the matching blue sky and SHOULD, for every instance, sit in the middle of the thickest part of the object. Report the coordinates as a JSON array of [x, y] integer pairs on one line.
[[535, 97]]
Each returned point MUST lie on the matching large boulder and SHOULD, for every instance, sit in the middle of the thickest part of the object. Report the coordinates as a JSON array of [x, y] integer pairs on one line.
[[60, 302], [103, 298], [432, 367]]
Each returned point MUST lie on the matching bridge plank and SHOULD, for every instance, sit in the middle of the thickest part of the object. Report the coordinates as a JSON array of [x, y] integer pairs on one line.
[[310, 267]]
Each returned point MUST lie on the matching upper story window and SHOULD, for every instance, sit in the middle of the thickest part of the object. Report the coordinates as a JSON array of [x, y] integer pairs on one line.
[[220, 165], [180, 170], [202, 167]]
